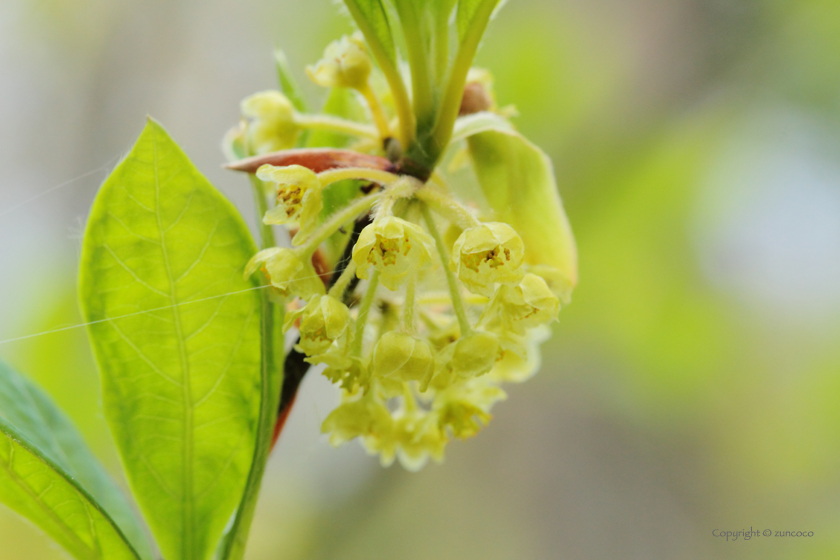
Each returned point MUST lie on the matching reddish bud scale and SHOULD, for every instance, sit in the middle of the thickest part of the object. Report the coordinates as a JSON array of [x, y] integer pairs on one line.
[[315, 159]]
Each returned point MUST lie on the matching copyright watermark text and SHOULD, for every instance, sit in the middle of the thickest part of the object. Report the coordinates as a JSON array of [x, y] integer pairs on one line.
[[748, 534]]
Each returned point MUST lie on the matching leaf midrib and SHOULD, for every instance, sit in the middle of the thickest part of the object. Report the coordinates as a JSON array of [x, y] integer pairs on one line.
[[187, 521]]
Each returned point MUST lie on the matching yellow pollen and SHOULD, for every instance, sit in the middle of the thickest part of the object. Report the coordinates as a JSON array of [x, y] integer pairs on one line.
[[387, 249]]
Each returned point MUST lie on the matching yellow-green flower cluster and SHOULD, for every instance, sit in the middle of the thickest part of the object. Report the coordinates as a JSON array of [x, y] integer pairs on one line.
[[421, 347], [430, 311]]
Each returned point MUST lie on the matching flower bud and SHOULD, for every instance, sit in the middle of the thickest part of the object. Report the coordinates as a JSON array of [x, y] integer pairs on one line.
[[345, 64], [467, 357], [234, 143], [299, 197], [478, 93], [486, 254], [288, 271], [402, 357], [394, 247], [272, 126]]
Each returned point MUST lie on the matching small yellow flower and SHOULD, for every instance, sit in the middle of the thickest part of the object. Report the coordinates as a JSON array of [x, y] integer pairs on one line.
[[349, 372], [470, 356], [464, 409], [486, 254], [288, 271], [322, 321], [346, 64], [272, 124], [521, 357], [418, 436], [527, 305], [365, 417], [299, 197], [402, 357], [394, 247]]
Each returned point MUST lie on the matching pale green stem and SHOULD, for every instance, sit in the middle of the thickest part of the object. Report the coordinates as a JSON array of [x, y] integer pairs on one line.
[[455, 294], [386, 208], [410, 401], [442, 42], [376, 110], [410, 304], [364, 311], [421, 83], [442, 298], [340, 285], [335, 124], [458, 76], [447, 207], [359, 173], [337, 220], [271, 374]]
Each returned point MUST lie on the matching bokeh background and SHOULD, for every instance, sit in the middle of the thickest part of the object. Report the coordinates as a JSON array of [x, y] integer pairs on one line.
[[693, 384]]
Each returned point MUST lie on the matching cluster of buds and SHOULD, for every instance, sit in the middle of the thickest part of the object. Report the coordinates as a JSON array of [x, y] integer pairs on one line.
[[419, 329]]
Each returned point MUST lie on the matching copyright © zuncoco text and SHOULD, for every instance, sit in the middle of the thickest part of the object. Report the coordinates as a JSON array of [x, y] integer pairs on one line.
[[748, 534]]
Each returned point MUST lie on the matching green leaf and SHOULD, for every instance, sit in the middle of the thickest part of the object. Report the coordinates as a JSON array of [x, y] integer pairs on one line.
[[27, 408], [372, 20], [35, 487], [290, 88], [477, 123], [517, 179], [288, 85], [176, 335], [469, 15]]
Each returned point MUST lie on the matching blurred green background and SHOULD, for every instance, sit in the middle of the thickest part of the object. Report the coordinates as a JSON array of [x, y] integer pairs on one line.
[[693, 384]]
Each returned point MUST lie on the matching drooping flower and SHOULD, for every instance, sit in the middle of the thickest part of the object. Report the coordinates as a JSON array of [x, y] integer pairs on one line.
[[464, 408], [347, 371], [417, 436], [394, 247], [299, 197], [520, 356], [527, 305], [470, 356], [366, 417], [322, 321], [272, 124], [346, 64], [488, 253], [288, 271]]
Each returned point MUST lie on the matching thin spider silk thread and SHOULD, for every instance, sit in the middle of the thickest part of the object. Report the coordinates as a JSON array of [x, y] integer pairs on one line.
[[108, 319], [67, 183], [108, 165], [138, 313]]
